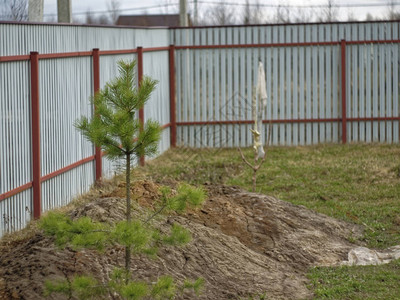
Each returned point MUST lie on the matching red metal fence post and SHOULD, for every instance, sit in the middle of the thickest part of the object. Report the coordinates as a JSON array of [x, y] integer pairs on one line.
[[36, 176], [140, 77], [96, 87], [343, 66], [172, 94]]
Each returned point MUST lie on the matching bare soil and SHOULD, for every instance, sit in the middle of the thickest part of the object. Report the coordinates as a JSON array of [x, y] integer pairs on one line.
[[243, 244]]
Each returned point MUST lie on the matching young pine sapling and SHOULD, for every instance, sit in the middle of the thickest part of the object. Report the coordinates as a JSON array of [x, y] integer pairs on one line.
[[115, 129]]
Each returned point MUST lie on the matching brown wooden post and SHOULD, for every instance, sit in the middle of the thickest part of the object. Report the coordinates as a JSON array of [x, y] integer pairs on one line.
[[172, 106], [96, 87], [140, 77], [343, 66], [35, 118]]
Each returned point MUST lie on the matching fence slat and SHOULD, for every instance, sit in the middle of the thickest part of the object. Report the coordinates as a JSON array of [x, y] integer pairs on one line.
[[328, 82], [204, 91], [217, 92], [282, 100], [295, 108], [191, 67], [308, 88], [266, 36], [275, 92], [302, 87], [223, 90], [251, 61], [315, 84], [375, 73], [354, 104], [288, 84], [396, 85], [230, 100], [335, 86], [382, 96], [368, 83], [361, 79], [321, 84]]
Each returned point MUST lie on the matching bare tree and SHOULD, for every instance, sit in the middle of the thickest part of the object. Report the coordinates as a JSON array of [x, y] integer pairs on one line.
[[15, 10], [103, 19], [351, 17], [90, 18], [303, 15], [282, 14], [219, 14], [113, 7], [252, 14], [392, 12], [329, 13], [369, 17]]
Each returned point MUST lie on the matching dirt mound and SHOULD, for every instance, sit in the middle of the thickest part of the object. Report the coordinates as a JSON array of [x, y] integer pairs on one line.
[[243, 244]]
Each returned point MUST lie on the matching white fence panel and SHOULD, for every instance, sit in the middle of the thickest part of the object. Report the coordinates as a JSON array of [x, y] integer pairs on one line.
[[15, 212], [303, 82], [66, 85], [65, 88], [156, 65], [15, 145], [70, 38]]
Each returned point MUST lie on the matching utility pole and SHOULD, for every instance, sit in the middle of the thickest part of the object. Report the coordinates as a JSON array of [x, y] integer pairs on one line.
[[35, 11], [64, 11], [183, 19]]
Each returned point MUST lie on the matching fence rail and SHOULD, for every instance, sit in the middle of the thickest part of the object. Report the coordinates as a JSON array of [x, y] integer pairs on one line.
[[325, 83]]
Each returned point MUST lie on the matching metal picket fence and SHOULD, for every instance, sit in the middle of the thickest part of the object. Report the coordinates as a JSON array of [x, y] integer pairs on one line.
[[325, 82]]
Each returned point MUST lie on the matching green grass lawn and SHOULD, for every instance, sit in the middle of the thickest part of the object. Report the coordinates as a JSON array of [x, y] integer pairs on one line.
[[360, 282], [355, 183]]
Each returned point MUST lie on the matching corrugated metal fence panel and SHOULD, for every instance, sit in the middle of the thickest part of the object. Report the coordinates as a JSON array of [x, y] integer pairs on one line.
[[16, 212], [60, 190], [156, 66], [302, 83], [373, 88], [289, 33], [65, 89], [20, 39], [288, 90], [15, 146]]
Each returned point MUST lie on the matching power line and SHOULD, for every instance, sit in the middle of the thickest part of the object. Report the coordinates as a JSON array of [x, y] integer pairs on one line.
[[376, 4], [118, 10], [333, 5]]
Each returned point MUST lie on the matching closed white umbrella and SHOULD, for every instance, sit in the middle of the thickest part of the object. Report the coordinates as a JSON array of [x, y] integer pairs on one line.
[[258, 108]]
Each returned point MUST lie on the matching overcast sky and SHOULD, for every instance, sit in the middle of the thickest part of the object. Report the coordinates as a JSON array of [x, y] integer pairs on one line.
[[378, 9], [170, 6]]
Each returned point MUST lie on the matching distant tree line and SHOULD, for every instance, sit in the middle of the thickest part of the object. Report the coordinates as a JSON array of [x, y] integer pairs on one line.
[[254, 13], [219, 13]]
